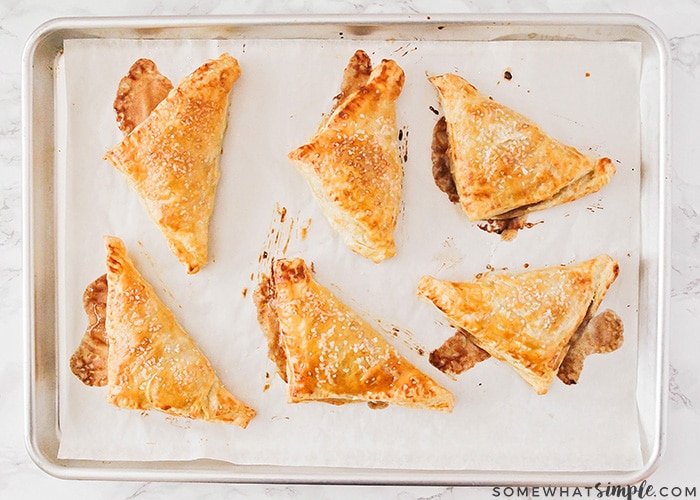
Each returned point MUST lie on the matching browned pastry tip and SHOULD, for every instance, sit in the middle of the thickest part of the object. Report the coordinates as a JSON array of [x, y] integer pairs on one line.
[[356, 74]]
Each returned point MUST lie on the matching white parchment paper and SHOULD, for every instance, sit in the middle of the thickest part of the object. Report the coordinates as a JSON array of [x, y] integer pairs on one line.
[[585, 94]]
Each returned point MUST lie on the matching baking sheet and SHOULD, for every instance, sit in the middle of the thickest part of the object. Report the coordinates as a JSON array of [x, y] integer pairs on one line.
[[584, 93]]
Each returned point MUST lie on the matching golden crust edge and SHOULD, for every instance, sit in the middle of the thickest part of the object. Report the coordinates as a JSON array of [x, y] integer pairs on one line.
[[604, 268]]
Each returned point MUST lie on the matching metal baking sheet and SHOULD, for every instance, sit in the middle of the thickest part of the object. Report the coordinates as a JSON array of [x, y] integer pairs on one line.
[[43, 202]]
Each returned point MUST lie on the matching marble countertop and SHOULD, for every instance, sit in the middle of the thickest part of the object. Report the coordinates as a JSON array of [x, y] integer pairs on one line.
[[679, 20]]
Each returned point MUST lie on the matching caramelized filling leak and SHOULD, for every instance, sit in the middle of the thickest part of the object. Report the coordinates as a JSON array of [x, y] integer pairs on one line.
[[441, 161], [356, 74], [507, 228], [602, 334], [139, 92], [264, 297], [89, 362], [457, 354]]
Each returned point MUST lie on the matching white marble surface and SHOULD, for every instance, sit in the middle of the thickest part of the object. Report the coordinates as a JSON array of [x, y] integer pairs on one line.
[[680, 20]]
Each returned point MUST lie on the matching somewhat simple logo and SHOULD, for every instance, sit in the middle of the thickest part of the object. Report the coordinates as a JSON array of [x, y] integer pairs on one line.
[[599, 490]]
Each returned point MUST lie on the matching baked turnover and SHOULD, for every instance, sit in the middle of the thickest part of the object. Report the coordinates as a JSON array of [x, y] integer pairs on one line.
[[153, 364], [172, 157], [502, 164], [326, 352], [352, 164], [528, 319]]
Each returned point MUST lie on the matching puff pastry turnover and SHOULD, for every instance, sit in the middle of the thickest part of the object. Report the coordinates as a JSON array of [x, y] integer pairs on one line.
[[352, 164], [152, 362], [526, 319], [332, 355], [503, 164], [172, 157]]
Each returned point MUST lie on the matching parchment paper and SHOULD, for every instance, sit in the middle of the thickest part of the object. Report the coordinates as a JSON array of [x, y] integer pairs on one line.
[[585, 94]]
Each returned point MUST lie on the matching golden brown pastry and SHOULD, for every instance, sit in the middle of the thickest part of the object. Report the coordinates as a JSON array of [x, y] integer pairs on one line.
[[332, 355], [172, 158], [352, 164], [526, 319], [89, 361], [503, 164], [153, 363]]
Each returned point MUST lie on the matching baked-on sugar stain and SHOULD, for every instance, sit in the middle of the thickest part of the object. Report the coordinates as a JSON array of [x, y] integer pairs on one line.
[[435, 111], [507, 75]]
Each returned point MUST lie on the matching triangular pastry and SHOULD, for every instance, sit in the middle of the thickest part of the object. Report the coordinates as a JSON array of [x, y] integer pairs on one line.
[[172, 157], [334, 356], [525, 319], [352, 164], [152, 362], [503, 164]]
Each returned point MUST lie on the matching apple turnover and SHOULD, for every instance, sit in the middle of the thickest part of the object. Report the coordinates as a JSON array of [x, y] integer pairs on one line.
[[172, 157], [528, 319], [326, 352], [502, 164], [153, 364], [352, 164]]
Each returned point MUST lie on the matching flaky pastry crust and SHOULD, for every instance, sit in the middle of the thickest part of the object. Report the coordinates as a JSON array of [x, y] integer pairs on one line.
[[153, 364], [503, 164], [525, 319], [172, 158], [334, 356], [352, 164]]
